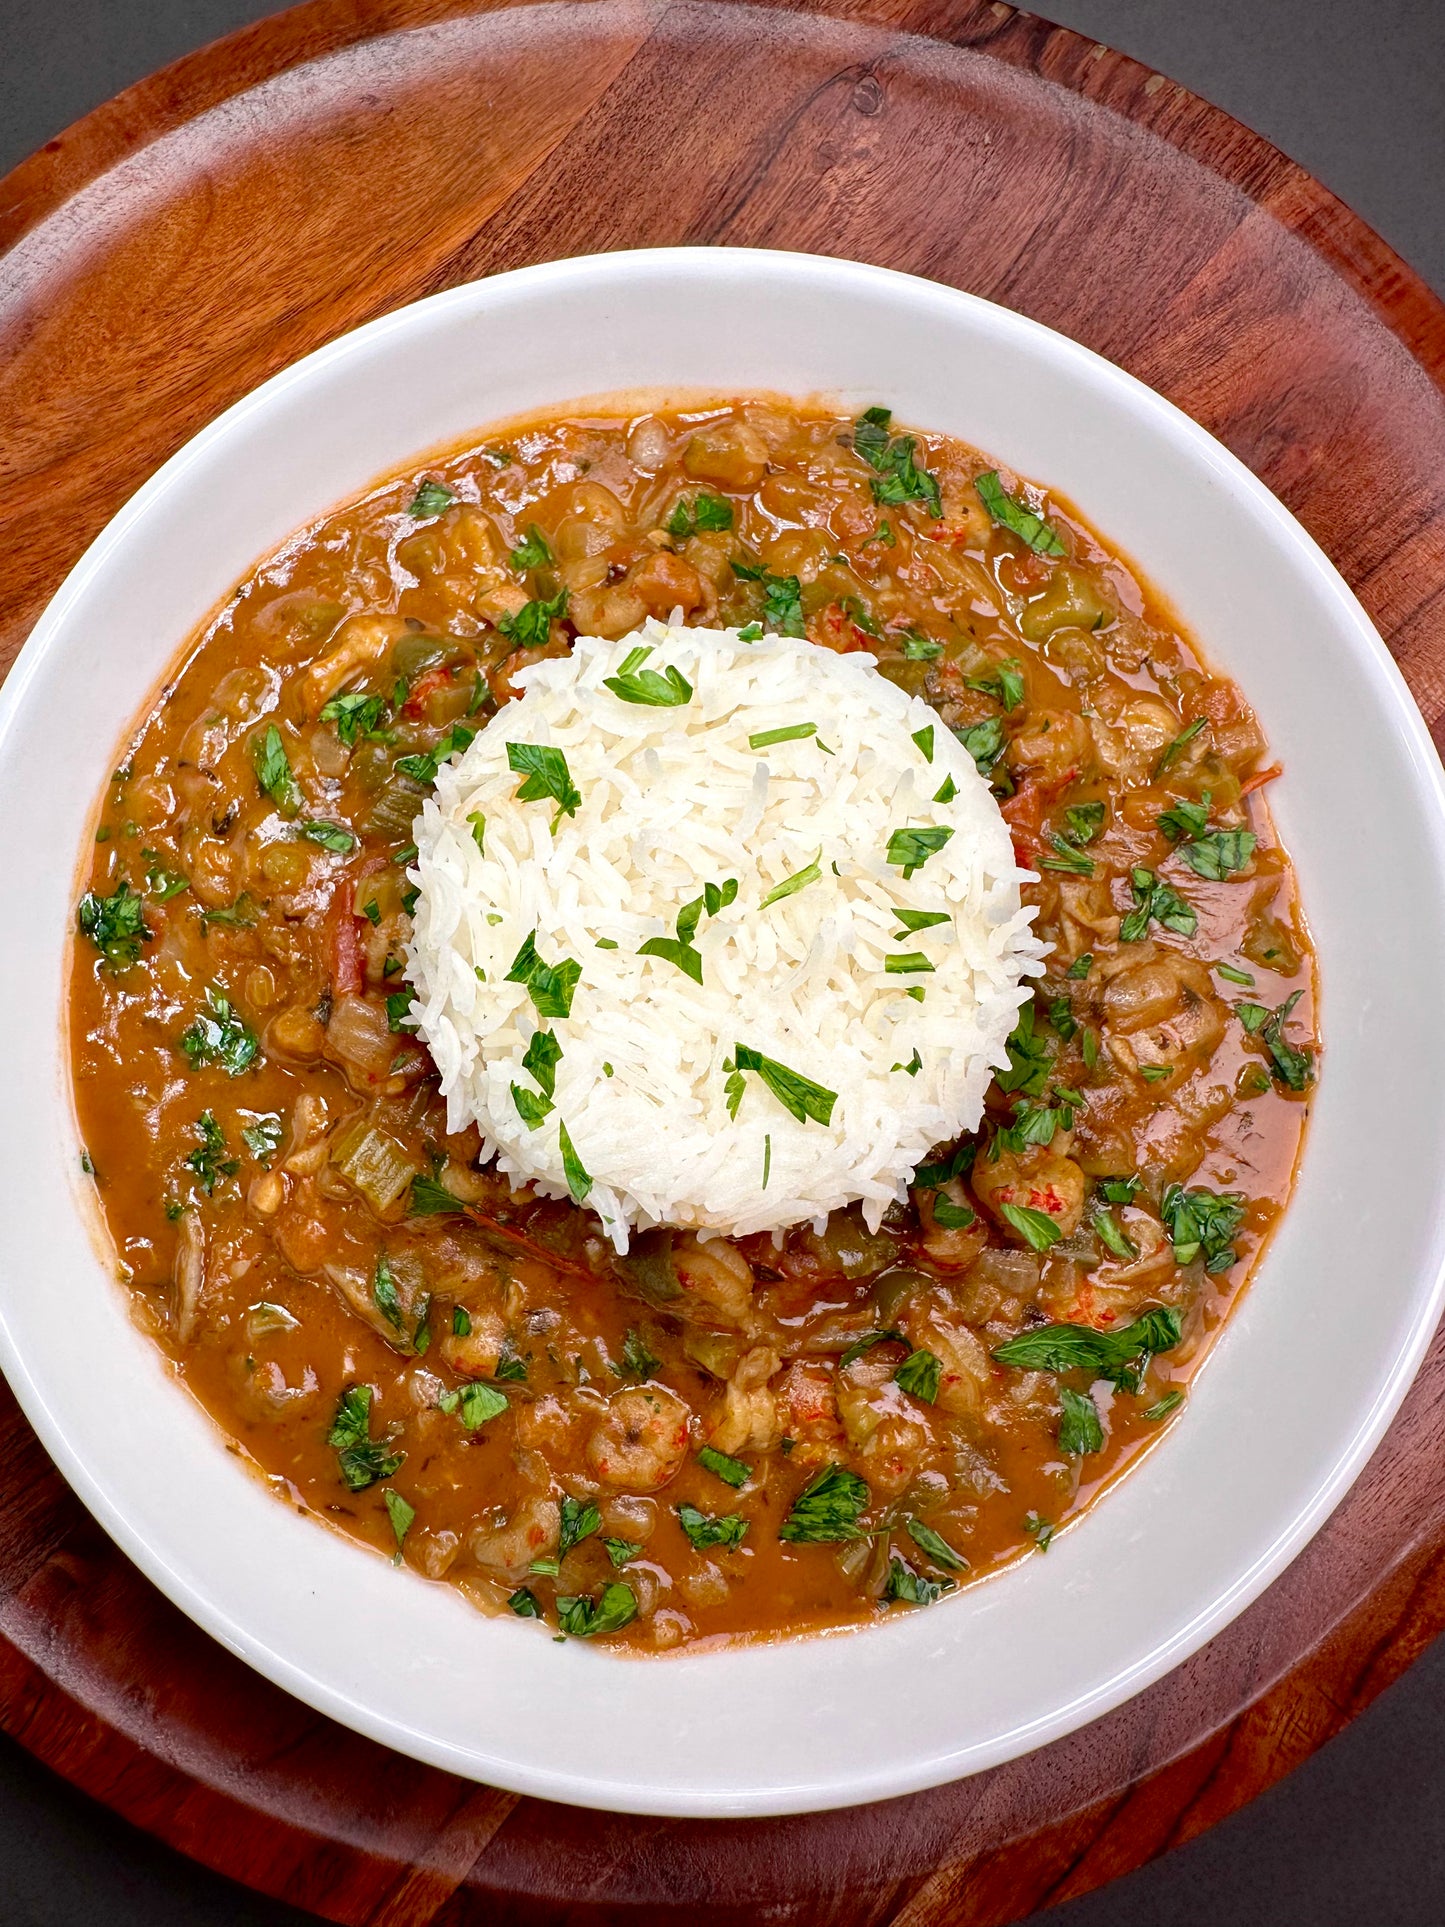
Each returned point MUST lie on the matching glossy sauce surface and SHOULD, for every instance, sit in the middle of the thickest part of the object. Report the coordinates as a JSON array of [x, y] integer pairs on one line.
[[466, 1375]]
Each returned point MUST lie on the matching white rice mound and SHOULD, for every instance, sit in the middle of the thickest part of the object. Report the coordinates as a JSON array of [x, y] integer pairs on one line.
[[673, 798]]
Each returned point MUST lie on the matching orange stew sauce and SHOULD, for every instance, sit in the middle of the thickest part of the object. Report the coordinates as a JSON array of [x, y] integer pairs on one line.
[[700, 1441]]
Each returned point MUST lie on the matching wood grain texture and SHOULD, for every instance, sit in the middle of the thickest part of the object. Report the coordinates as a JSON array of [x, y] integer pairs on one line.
[[261, 196]]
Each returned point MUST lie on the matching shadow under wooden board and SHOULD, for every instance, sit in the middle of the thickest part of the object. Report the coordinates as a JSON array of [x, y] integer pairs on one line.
[[262, 196]]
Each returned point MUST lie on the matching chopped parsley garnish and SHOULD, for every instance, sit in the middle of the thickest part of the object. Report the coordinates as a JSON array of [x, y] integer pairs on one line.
[[384, 1293], [951, 1216], [240, 915], [730, 1471], [1037, 1229], [356, 714], [115, 924], [363, 1459], [646, 687], [913, 1066], [398, 1009], [547, 774], [910, 849], [423, 768], [477, 1404], [906, 963], [984, 743], [216, 1035], [1085, 820], [1202, 1224], [920, 648], [531, 552], [461, 1322], [1112, 1237], [790, 886], [162, 884], [431, 498], [532, 1109], [1155, 900], [704, 1530], [1079, 1429], [751, 632], [1291, 1067], [523, 1603], [619, 1551], [1067, 858], [783, 600], [932, 1177], [1119, 1190], [827, 1509], [209, 1160], [550, 986], [637, 1360], [1041, 1531], [1036, 1123], [704, 512], [1015, 515], [914, 920], [331, 836], [585, 1617], [891, 1335], [1068, 1348], [543, 1055], [897, 478], [1164, 1407], [579, 1520], [1061, 1016], [681, 950], [855, 612], [531, 626], [1221, 854], [1081, 966], [1029, 1059], [946, 791], [789, 733], [401, 1515], [263, 1138], [912, 1588], [924, 739], [579, 1181], [797, 1094], [1233, 976], [919, 1374], [935, 1546], [1185, 821], [1173, 751], [273, 771], [1005, 685]]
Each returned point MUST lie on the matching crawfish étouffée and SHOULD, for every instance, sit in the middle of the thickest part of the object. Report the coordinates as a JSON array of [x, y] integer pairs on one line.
[[700, 1440]]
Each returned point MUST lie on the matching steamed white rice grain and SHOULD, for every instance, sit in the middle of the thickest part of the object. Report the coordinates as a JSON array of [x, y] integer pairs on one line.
[[673, 798]]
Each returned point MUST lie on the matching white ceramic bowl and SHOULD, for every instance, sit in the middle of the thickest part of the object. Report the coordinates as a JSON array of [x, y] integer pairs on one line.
[[1316, 1357]]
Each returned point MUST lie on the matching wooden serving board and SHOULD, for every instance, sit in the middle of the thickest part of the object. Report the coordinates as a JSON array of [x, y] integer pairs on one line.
[[254, 200]]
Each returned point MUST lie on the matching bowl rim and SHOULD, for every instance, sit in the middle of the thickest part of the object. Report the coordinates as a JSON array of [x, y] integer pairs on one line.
[[724, 266]]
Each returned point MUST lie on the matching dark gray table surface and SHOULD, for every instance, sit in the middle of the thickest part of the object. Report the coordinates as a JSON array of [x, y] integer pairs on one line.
[[1355, 91]]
